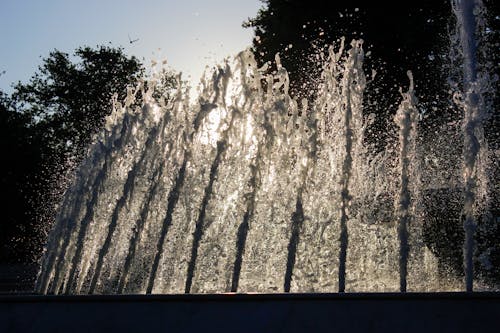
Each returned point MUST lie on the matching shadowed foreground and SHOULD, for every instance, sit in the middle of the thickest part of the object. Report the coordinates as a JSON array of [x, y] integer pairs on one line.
[[443, 312]]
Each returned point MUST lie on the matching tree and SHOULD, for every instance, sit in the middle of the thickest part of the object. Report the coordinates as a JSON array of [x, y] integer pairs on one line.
[[406, 35], [68, 101], [21, 156], [397, 37], [44, 124]]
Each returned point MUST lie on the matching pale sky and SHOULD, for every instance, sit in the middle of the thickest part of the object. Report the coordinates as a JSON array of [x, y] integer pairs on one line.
[[190, 34]]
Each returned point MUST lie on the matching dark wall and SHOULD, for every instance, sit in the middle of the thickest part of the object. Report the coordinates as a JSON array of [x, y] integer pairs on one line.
[[253, 313]]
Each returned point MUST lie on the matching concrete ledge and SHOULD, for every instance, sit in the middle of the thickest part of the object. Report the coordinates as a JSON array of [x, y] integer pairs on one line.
[[385, 312]]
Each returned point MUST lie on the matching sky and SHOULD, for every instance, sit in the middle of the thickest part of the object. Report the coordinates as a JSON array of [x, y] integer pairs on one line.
[[189, 34]]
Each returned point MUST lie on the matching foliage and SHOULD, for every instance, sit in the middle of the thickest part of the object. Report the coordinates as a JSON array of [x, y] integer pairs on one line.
[[21, 156], [68, 101], [398, 36], [46, 126]]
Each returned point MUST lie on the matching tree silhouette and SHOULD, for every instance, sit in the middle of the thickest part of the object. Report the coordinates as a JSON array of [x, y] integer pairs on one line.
[[68, 100], [20, 157], [46, 126], [397, 37]]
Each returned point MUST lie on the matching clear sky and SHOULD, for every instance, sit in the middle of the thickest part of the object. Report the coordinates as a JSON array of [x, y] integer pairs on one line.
[[189, 33]]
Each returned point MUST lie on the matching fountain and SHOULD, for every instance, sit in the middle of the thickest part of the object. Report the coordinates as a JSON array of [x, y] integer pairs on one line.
[[250, 190]]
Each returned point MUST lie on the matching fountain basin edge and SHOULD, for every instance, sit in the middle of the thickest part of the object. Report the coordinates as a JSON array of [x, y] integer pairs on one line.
[[353, 312]]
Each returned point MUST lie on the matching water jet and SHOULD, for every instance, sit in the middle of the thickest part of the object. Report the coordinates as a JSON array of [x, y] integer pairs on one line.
[[246, 191]]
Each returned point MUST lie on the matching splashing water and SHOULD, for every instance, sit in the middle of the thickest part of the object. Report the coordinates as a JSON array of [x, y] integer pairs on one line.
[[474, 114], [248, 191]]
